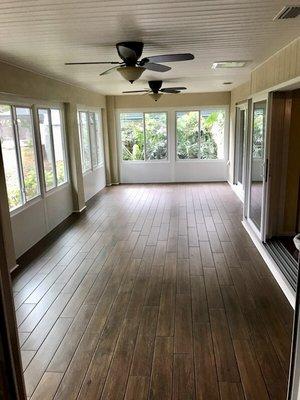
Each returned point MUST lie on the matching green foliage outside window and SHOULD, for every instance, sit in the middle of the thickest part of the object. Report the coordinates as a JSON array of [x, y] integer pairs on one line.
[[132, 133], [258, 133], [209, 144], [156, 136], [187, 132]]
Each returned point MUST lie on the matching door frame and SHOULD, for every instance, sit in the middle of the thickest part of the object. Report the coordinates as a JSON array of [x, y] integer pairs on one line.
[[261, 234], [240, 187]]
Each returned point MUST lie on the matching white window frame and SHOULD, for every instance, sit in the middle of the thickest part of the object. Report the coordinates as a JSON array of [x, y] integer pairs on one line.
[[226, 133], [50, 107], [171, 134], [144, 111], [20, 104], [99, 137]]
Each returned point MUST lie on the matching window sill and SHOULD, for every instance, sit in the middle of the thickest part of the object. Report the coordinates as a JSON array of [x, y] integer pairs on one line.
[[57, 189], [90, 171], [25, 206], [145, 162], [197, 160]]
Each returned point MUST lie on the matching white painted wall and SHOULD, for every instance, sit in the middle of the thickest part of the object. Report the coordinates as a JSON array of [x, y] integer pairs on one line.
[[173, 170], [37, 218], [94, 181]]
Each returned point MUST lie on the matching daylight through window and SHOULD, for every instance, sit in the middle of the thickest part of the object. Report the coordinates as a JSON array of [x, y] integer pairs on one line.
[[144, 136], [19, 154], [200, 134], [90, 140], [52, 142]]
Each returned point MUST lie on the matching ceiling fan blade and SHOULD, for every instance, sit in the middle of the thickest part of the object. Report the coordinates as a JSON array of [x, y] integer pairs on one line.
[[171, 57], [173, 88], [169, 91], [136, 91], [156, 67], [93, 63], [108, 71]]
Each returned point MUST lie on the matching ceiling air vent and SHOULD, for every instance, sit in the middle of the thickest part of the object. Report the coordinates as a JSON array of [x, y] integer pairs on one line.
[[288, 12]]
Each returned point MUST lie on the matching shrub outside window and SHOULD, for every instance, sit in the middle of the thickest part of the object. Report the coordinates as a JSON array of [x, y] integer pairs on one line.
[[52, 142], [19, 154], [200, 134], [144, 136]]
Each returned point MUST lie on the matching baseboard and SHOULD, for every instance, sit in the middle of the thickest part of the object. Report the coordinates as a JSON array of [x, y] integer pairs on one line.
[[79, 211], [38, 248], [273, 267], [14, 268]]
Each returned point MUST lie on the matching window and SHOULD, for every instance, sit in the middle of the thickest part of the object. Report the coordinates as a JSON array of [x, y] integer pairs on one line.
[[144, 136], [52, 142], [258, 128], [19, 154], [90, 139], [200, 134]]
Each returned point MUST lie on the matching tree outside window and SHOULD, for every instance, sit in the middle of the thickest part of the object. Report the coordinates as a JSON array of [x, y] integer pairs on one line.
[[200, 134], [144, 136]]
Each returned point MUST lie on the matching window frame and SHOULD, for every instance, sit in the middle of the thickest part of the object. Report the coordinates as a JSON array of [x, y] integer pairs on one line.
[[98, 138], [28, 105], [226, 133], [50, 107], [143, 111], [171, 134]]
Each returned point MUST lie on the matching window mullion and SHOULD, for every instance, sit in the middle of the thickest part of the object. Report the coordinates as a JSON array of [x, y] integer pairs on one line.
[[90, 139], [97, 138], [19, 157], [52, 147], [199, 130], [145, 142], [80, 139]]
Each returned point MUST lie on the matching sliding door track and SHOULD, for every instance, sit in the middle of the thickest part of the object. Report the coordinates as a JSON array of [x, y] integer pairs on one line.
[[285, 261]]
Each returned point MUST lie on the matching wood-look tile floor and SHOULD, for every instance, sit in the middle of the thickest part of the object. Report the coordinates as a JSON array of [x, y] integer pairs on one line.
[[157, 292]]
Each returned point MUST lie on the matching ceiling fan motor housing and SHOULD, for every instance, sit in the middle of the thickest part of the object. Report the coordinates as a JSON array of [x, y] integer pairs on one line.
[[130, 52], [155, 86]]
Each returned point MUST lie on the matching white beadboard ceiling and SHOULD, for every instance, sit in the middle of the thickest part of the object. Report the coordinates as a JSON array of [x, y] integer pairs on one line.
[[42, 35]]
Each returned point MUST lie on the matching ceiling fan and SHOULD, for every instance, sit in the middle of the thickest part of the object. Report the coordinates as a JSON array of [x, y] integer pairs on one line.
[[131, 67], [156, 89]]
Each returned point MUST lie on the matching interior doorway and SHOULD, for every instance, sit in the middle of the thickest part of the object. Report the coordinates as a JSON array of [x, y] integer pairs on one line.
[[283, 199]]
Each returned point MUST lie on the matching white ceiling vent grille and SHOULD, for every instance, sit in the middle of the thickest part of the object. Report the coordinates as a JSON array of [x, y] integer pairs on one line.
[[288, 12]]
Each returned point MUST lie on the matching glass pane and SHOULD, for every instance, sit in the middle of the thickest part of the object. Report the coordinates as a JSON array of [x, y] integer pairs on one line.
[[93, 139], [46, 148], [9, 157], [156, 136], [257, 162], [85, 142], [212, 134], [98, 138], [132, 134], [26, 139], [59, 148], [241, 145], [187, 134]]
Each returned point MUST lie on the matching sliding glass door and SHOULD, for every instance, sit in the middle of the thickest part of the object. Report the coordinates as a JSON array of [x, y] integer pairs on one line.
[[257, 166]]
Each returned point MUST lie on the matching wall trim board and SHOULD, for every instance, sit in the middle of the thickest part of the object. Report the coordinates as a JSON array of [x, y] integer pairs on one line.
[[21, 82]]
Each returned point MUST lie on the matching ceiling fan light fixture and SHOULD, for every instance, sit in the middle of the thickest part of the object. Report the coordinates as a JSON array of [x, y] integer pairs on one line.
[[155, 96], [131, 74]]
